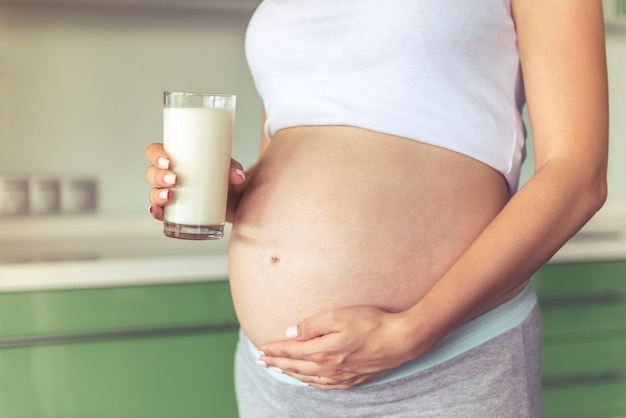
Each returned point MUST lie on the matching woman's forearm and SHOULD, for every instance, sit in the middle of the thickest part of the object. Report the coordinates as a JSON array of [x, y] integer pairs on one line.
[[568, 106], [537, 221]]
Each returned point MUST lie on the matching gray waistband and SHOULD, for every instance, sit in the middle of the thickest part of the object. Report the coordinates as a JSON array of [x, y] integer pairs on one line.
[[472, 334]]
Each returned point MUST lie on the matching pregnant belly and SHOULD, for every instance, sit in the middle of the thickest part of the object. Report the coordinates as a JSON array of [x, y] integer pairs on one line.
[[341, 216]]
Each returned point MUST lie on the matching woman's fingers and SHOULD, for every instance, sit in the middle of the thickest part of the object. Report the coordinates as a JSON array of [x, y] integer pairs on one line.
[[157, 212], [237, 175], [159, 177], [158, 174], [159, 196], [157, 156]]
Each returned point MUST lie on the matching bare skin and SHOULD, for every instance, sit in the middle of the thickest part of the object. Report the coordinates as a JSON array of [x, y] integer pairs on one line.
[[339, 236], [354, 252], [340, 216]]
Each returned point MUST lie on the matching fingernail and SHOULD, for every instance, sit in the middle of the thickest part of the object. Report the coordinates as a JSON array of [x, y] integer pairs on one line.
[[163, 163], [261, 363], [150, 209], [277, 370], [261, 353], [304, 384], [163, 194], [292, 332], [240, 173], [169, 178]]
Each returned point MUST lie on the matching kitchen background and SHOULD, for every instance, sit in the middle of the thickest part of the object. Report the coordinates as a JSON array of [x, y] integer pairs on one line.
[[101, 302], [80, 87]]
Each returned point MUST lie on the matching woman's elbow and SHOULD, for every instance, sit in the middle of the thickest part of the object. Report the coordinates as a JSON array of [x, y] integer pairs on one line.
[[596, 193], [602, 193]]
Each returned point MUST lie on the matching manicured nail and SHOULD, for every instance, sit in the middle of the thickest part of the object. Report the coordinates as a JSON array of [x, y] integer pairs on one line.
[[261, 363], [240, 173], [304, 384], [163, 194], [150, 209], [169, 178], [292, 332], [261, 353], [163, 163], [277, 370]]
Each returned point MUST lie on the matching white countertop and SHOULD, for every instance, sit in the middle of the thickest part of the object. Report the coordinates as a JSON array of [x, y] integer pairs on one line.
[[94, 251], [105, 251]]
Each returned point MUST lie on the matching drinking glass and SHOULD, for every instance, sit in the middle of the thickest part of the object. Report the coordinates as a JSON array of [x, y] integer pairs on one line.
[[197, 136]]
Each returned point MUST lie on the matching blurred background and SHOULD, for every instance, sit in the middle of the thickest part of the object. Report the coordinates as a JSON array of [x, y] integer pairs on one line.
[[100, 315], [82, 86]]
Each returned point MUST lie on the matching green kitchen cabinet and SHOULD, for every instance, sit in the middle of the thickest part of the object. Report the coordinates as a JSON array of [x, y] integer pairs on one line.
[[584, 344], [150, 351]]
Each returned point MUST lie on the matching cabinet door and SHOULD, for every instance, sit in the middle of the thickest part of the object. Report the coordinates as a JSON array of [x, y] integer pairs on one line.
[[152, 351], [584, 345], [183, 376], [92, 310], [582, 298], [585, 379]]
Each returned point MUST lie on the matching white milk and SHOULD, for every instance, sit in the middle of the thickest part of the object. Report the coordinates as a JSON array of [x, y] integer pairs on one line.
[[198, 142]]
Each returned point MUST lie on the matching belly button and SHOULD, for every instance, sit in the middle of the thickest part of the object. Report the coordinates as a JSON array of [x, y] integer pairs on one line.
[[275, 259]]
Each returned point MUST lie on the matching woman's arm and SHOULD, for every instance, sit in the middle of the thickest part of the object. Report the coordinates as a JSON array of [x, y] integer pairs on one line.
[[561, 44], [562, 50]]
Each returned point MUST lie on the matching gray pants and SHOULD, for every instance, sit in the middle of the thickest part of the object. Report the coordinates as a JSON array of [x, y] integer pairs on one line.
[[499, 379]]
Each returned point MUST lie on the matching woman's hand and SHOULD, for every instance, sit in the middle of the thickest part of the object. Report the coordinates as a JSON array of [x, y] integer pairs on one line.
[[342, 348], [163, 179]]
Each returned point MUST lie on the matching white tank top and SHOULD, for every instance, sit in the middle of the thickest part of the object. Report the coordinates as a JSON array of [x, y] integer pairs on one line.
[[442, 72]]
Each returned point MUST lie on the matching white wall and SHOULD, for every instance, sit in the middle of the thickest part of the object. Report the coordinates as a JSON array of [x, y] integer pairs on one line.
[[616, 56], [81, 89]]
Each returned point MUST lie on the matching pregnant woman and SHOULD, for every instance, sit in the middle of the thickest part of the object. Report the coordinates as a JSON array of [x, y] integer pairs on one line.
[[380, 245]]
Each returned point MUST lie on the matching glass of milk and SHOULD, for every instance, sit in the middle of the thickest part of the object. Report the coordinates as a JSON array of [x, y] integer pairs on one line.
[[197, 136]]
